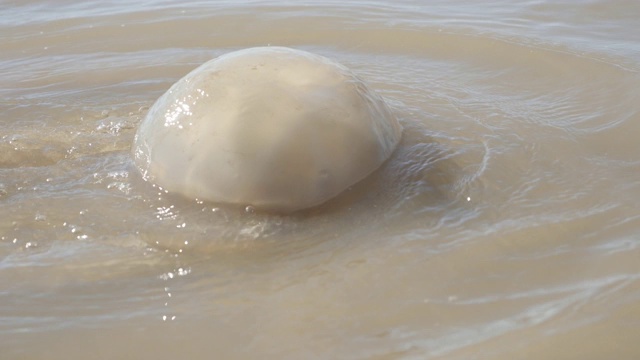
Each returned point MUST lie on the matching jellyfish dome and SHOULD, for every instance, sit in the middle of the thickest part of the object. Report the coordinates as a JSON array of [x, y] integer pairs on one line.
[[272, 127]]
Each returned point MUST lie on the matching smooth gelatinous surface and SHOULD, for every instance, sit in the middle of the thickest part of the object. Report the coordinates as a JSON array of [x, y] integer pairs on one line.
[[271, 127]]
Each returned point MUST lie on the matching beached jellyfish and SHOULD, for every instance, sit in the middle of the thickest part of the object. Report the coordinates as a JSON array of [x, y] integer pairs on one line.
[[269, 127]]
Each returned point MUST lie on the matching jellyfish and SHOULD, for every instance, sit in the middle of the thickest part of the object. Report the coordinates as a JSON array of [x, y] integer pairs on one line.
[[274, 128]]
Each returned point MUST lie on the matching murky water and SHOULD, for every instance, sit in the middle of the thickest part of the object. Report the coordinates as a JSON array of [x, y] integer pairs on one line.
[[505, 226]]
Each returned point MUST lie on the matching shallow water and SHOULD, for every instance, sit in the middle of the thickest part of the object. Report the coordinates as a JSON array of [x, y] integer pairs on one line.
[[506, 225]]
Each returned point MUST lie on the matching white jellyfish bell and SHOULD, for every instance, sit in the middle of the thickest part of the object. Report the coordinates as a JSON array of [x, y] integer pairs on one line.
[[271, 127]]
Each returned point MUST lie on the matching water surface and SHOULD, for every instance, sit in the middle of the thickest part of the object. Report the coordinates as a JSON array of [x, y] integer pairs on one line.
[[506, 225]]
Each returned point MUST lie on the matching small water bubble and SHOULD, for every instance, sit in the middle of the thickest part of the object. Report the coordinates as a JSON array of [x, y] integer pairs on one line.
[[166, 276], [249, 209], [30, 244], [40, 217]]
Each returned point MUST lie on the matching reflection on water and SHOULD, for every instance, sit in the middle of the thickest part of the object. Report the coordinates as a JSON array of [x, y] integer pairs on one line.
[[504, 226]]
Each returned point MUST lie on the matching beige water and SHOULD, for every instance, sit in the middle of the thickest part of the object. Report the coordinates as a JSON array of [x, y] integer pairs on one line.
[[505, 226]]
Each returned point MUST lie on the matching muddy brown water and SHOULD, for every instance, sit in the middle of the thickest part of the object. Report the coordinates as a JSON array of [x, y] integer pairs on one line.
[[505, 226]]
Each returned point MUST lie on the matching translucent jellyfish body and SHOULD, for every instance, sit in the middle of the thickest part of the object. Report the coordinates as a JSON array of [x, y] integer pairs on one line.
[[270, 127]]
